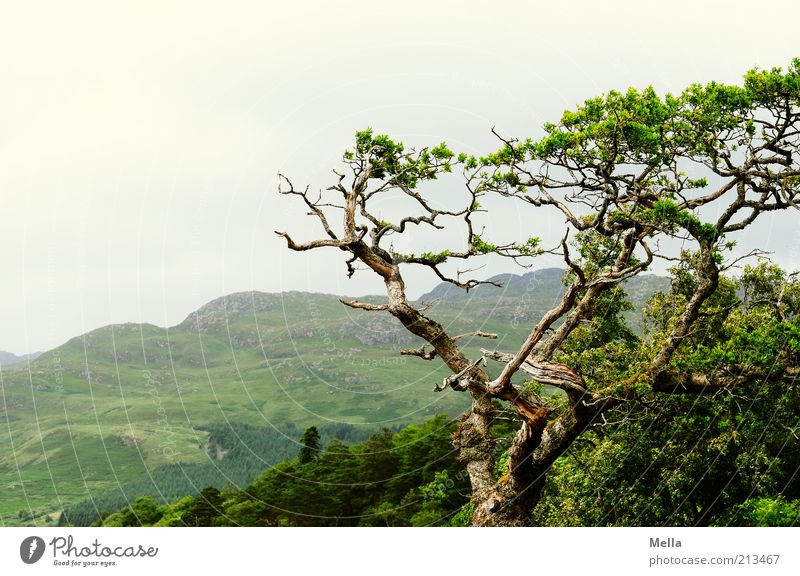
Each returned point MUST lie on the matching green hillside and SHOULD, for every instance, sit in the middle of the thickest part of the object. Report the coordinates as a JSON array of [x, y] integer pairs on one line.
[[112, 405]]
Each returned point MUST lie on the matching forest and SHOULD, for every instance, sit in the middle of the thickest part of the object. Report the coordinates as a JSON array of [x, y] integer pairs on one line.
[[237, 453]]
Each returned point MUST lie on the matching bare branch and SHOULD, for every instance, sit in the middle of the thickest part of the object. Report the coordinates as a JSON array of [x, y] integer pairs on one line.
[[478, 334], [454, 380], [547, 372], [312, 244], [573, 266], [696, 383], [313, 206], [504, 380], [364, 305], [708, 271], [421, 352], [426, 354]]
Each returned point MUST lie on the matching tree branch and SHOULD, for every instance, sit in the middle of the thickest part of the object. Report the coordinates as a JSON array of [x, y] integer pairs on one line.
[[364, 305]]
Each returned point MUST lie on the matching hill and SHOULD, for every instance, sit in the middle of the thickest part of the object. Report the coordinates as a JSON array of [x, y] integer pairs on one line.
[[110, 406], [7, 358]]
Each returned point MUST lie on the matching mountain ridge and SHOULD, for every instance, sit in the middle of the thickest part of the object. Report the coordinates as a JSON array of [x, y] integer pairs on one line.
[[9, 358], [543, 278]]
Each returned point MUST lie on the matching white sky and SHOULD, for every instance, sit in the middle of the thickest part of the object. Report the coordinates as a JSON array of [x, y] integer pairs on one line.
[[139, 141]]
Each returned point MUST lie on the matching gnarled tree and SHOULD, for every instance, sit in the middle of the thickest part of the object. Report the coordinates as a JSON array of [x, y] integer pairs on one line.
[[634, 177]]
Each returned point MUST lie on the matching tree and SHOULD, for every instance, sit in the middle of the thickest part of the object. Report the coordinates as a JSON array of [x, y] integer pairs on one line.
[[695, 459], [143, 512], [380, 462], [635, 177], [310, 445], [205, 508]]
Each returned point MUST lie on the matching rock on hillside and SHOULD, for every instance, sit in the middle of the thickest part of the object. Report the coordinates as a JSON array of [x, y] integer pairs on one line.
[[215, 313]]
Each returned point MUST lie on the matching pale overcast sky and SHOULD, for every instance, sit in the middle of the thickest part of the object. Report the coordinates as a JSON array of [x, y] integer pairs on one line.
[[139, 141]]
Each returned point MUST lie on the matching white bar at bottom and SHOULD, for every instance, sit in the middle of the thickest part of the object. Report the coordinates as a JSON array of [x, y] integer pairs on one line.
[[404, 551]]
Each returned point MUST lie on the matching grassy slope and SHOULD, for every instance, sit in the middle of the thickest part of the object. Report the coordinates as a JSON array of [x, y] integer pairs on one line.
[[109, 405]]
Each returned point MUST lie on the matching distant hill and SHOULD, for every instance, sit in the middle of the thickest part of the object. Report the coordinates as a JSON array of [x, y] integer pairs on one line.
[[547, 281], [523, 299], [113, 404], [7, 358]]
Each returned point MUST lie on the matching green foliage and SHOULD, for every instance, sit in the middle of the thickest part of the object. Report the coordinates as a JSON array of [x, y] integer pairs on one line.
[[530, 248], [748, 344], [435, 257], [749, 322], [766, 286], [408, 477], [764, 85], [685, 461], [463, 517], [728, 458], [391, 161], [703, 124], [665, 213], [480, 246], [442, 500], [143, 512], [310, 445], [767, 512], [597, 252]]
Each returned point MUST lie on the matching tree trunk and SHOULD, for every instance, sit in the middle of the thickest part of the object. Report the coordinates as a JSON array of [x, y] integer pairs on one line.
[[510, 500]]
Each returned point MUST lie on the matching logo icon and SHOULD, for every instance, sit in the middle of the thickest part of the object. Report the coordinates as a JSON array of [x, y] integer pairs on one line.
[[31, 550]]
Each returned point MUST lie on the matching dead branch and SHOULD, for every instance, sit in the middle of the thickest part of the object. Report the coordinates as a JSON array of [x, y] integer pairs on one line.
[[547, 372], [364, 305]]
